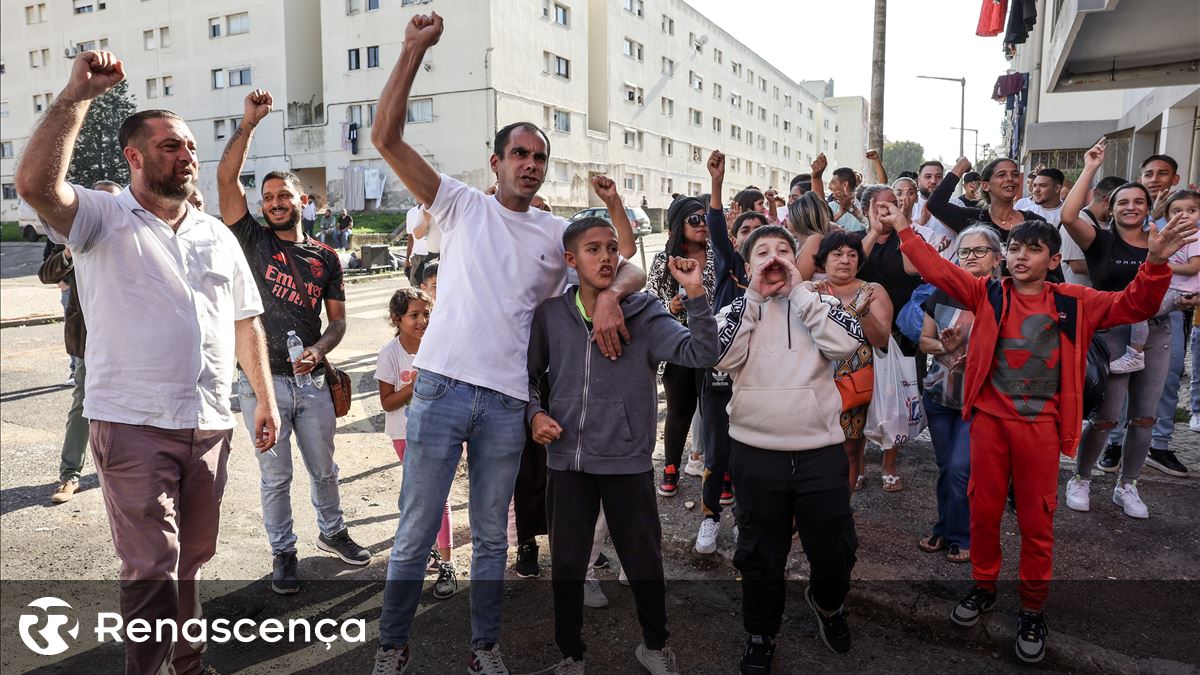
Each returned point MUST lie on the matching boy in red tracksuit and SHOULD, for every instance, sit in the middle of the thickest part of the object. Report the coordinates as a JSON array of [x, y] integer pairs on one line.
[[1023, 393]]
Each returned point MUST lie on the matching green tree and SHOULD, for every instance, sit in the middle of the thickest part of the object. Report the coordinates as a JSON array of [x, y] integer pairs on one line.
[[97, 152], [902, 156]]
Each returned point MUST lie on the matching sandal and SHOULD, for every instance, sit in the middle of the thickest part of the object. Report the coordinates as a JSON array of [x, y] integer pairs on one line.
[[858, 482], [957, 555], [932, 544], [892, 483]]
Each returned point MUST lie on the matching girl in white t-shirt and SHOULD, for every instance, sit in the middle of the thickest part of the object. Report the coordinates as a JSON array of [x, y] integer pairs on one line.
[[408, 312]]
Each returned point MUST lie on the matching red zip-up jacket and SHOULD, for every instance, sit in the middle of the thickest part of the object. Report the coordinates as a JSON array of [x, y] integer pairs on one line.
[[1081, 312]]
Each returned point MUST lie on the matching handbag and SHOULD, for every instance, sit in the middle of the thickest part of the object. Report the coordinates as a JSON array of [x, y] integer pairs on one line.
[[856, 387], [337, 381]]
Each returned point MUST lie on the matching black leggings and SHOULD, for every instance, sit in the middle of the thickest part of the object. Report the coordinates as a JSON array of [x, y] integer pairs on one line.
[[683, 394]]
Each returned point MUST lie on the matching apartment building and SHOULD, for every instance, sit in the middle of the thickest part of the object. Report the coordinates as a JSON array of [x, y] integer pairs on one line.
[[641, 90]]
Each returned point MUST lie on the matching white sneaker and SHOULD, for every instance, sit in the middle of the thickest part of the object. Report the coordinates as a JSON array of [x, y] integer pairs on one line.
[[658, 662], [694, 466], [487, 662], [1194, 423], [391, 661], [1126, 497], [706, 538], [1078, 496], [622, 578], [569, 666], [593, 597], [1129, 362]]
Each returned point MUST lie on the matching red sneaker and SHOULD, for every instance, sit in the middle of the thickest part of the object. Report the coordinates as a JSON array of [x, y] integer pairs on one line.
[[670, 481], [727, 490]]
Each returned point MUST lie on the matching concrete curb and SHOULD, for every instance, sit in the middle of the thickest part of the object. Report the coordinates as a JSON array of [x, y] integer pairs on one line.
[[930, 615], [36, 320]]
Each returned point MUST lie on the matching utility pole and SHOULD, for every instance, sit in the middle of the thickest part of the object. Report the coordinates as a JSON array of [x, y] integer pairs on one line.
[[875, 124], [962, 107]]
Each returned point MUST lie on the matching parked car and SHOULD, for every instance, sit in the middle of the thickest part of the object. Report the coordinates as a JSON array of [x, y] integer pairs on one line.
[[637, 218], [27, 219]]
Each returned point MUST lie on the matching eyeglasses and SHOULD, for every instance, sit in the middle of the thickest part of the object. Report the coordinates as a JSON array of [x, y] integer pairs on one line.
[[977, 252], [695, 220]]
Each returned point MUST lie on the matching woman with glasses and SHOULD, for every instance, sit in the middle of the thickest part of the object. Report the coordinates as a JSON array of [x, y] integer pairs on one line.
[[944, 336], [687, 238]]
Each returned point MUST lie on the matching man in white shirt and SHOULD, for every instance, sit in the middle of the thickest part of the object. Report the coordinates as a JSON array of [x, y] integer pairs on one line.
[[170, 303], [1047, 196], [417, 224], [500, 260], [308, 215], [929, 176]]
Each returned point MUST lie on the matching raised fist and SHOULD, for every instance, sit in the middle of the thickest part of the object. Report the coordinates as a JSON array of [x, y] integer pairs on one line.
[[94, 73]]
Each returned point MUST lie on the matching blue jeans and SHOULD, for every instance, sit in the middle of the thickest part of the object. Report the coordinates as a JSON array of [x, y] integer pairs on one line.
[[1164, 424], [308, 413], [446, 413], [951, 436]]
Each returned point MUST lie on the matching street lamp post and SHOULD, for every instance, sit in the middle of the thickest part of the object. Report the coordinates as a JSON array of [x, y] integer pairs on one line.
[[962, 108], [975, 157]]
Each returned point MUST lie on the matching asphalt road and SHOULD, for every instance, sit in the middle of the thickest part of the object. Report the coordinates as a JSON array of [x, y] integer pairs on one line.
[[1130, 585]]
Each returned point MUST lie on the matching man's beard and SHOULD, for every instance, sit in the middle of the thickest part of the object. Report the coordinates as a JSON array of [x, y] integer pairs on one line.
[[168, 189], [293, 219], [925, 193]]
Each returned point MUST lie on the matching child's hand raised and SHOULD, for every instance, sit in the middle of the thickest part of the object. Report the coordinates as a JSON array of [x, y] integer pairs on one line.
[[544, 428], [1166, 242], [688, 273]]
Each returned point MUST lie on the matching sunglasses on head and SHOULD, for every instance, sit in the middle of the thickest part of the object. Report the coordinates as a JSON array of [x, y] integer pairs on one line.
[[695, 220]]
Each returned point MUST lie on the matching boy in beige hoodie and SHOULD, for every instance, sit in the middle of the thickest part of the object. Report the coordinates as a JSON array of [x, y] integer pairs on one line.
[[779, 343]]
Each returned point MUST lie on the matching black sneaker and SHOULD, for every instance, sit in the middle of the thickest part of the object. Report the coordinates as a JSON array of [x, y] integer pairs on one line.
[[969, 609], [1110, 461], [284, 579], [756, 660], [344, 547], [602, 562], [834, 630], [1166, 462], [1030, 645], [447, 581], [527, 561]]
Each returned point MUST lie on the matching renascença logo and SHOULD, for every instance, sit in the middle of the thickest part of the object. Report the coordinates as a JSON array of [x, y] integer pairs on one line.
[[47, 627]]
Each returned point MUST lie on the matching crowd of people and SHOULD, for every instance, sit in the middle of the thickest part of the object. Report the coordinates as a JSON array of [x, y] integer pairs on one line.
[[768, 321]]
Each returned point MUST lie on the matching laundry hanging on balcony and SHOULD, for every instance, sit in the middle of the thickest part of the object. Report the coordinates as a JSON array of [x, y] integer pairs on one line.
[[991, 17]]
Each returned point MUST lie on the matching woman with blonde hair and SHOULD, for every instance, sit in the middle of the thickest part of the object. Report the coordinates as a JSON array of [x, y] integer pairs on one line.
[[810, 220]]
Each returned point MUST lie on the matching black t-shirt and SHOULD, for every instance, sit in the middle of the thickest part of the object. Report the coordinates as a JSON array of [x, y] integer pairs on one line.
[[885, 267], [345, 222], [283, 304], [1112, 263]]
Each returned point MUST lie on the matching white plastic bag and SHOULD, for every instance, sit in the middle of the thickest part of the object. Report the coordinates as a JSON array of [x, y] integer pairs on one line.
[[896, 413]]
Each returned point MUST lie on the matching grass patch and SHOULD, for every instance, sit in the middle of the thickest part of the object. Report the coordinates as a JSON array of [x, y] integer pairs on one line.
[[376, 222], [10, 230]]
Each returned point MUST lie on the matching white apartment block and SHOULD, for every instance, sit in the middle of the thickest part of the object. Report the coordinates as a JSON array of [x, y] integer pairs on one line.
[[641, 90]]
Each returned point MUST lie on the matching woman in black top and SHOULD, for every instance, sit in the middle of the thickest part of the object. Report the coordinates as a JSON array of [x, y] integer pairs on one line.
[[1113, 258]]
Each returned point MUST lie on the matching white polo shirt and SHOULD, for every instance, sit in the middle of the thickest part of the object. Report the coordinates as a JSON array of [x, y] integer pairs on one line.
[[411, 221], [160, 307]]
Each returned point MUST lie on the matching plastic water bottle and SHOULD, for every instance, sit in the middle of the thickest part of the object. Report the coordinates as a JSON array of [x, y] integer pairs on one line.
[[295, 348]]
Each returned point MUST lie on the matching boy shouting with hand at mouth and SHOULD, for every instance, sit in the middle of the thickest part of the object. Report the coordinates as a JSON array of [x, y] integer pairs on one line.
[[600, 430], [779, 343]]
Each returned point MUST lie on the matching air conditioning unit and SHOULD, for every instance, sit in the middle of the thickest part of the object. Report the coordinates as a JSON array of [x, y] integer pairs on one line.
[[70, 52]]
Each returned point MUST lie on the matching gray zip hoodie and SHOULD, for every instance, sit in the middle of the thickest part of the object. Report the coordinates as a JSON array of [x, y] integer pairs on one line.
[[609, 409]]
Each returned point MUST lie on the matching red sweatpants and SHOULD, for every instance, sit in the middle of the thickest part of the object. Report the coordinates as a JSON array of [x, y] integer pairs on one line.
[[1026, 453]]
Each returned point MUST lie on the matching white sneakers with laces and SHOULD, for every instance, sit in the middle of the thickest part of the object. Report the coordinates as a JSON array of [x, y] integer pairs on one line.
[[1129, 362], [706, 538], [1126, 497], [1078, 494], [694, 466], [658, 662], [1194, 423]]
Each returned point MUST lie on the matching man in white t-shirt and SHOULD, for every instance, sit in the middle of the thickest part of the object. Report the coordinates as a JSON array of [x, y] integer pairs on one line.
[[417, 224], [1047, 196], [500, 260], [308, 215]]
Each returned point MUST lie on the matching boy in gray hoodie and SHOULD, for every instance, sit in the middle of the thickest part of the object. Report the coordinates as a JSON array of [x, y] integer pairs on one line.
[[600, 430]]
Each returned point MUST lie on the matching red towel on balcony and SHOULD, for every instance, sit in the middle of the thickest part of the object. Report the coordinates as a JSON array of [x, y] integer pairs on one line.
[[991, 18]]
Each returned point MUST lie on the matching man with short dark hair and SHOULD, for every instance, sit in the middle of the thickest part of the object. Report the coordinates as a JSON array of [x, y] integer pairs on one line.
[[1046, 200], [308, 215], [170, 309], [971, 197], [296, 276]]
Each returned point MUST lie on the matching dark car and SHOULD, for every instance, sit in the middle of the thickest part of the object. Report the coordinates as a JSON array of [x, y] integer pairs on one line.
[[637, 218]]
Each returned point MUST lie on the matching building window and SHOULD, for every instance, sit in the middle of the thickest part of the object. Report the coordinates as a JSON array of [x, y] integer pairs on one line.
[[749, 76], [735, 100], [810, 113], [3, 108], [634, 6], [6, 150], [373, 57], [695, 43], [420, 110], [695, 116], [88, 6], [633, 49], [352, 7], [557, 65], [634, 181], [352, 59], [668, 186], [560, 13], [634, 94], [787, 100], [248, 181], [668, 25], [668, 107], [562, 171], [148, 41], [762, 84], [735, 68], [668, 146], [695, 81], [693, 188], [214, 28], [239, 23], [716, 124], [787, 125], [762, 114], [9, 191], [562, 121], [735, 132], [750, 108], [372, 5], [633, 139], [718, 57], [749, 138], [218, 79], [371, 114], [239, 76], [776, 92], [152, 88], [697, 153], [775, 121], [219, 130], [354, 114], [168, 85], [668, 66], [716, 90]]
